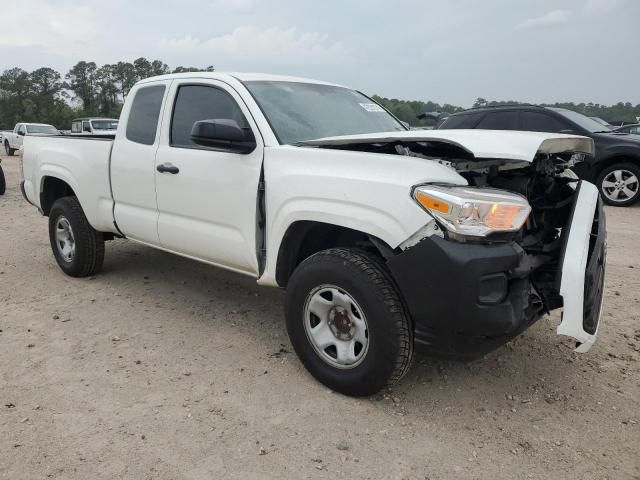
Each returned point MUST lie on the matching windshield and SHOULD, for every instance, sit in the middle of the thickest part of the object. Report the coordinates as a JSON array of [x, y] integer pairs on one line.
[[306, 111], [42, 129], [583, 121], [104, 124]]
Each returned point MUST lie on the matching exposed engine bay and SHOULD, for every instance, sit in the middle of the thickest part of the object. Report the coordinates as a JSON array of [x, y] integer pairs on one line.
[[547, 183]]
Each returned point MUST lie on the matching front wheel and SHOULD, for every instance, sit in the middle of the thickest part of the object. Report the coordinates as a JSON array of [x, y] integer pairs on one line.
[[10, 151], [77, 247], [346, 322], [619, 184]]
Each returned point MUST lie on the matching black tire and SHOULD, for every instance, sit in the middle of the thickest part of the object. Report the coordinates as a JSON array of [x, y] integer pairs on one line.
[[390, 337], [89, 243], [10, 151], [608, 192], [3, 183]]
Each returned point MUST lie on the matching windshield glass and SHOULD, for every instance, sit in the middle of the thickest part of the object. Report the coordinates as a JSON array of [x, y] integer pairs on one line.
[[585, 122], [306, 111], [104, 124], [42, 129]]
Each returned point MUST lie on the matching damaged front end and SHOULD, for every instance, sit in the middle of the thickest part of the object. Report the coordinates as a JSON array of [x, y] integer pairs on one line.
[[524, 237], [474, 293]]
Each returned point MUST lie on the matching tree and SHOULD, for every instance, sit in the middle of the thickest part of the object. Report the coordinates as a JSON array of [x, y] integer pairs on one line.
[[107, 91], [193, 69], [82, 81], [124, 74]]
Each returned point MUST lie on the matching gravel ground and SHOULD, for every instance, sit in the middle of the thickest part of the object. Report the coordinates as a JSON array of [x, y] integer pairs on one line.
[[164, 368]]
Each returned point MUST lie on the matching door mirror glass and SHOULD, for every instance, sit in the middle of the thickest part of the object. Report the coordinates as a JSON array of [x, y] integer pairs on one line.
[[223, 133]]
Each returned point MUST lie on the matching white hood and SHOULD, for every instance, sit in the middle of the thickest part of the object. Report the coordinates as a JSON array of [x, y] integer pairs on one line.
[[503, 144]]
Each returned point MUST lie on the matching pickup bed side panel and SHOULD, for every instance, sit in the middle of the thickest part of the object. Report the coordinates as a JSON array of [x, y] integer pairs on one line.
[[82, 163], [370, 193]]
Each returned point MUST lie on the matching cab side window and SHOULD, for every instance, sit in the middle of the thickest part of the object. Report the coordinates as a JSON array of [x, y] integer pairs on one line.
[[541, 122], [198, 102], [142, 124], [86, 126], [22, 130]]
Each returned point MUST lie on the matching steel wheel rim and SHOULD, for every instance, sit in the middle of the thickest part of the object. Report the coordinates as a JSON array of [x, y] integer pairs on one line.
[[620, 185], [65, 240], [336, 327]]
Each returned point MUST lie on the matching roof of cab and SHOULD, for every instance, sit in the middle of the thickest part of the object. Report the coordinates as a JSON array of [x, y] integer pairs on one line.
[[238, 76]]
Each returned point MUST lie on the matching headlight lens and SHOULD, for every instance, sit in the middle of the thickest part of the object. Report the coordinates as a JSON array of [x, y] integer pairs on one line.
[[472, 211]]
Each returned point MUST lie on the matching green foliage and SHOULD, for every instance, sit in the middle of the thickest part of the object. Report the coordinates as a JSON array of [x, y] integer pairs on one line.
[[86, 90], [620, 112], [89, 90], [409, 110]]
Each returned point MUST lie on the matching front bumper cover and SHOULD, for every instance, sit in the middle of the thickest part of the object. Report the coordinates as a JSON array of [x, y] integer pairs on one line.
[[461, 298], [465, 301]]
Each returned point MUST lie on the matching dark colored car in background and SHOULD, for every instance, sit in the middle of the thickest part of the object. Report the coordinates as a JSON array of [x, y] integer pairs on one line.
[[633, 128], [616, 166]]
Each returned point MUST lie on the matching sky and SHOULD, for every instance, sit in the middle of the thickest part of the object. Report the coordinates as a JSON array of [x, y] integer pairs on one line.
[[448, 51]]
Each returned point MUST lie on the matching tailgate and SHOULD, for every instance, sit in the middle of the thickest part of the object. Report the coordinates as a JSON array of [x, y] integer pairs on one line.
[[583, 268]]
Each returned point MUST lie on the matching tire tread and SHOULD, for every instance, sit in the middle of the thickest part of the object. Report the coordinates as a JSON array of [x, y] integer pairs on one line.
[[372, 268], [92, 257]]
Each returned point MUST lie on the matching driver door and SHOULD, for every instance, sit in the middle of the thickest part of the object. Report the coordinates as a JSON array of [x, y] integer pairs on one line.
[[207, 197]]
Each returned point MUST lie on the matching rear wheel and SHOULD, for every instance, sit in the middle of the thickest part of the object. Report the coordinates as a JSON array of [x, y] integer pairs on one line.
[[346, 322], [3, 183], [77, 247], [10, 151], [619, 184]]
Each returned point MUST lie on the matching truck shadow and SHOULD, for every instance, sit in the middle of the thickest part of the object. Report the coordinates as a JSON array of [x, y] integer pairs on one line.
[[537, 366]]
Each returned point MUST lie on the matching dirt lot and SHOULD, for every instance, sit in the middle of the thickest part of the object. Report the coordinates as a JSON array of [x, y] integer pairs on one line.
[[163, 368]]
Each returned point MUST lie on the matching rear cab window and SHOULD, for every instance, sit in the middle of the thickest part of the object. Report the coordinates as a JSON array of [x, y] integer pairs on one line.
[[142, 124]]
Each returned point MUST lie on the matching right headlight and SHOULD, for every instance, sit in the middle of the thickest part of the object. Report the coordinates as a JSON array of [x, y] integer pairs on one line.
[[473, 211]]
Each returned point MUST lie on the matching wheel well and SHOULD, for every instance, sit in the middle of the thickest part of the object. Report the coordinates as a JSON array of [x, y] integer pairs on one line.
[[305, 238], [52, 189], [600, 166]]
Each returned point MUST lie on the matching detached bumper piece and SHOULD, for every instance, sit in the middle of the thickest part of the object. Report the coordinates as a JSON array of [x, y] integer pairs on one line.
[[461, 297], [583, 269]]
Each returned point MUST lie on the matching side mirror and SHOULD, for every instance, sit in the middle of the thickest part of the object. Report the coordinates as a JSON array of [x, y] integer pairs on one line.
[[224, 134], [21, 133]]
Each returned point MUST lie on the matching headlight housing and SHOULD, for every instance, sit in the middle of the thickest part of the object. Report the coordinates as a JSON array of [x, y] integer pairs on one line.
[[473, 211]]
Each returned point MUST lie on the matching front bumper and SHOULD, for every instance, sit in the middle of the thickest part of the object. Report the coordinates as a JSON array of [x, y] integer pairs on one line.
[[461, 297], [465, 300]]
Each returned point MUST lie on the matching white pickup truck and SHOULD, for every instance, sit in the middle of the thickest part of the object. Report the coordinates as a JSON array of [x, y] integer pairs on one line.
[[13, 141], [94, 126], [384, 238]]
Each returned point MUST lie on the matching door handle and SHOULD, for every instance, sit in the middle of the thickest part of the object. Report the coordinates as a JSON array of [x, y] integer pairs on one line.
[[168, 168]]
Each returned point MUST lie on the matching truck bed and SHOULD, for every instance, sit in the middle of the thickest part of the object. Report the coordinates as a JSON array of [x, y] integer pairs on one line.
[[80, 161]]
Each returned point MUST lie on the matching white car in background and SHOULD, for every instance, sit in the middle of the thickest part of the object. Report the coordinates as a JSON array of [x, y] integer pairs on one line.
[[13, 141], [94, 126]]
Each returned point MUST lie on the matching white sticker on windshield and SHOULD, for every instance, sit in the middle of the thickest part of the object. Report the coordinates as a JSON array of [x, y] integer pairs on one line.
[[372, 107]]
